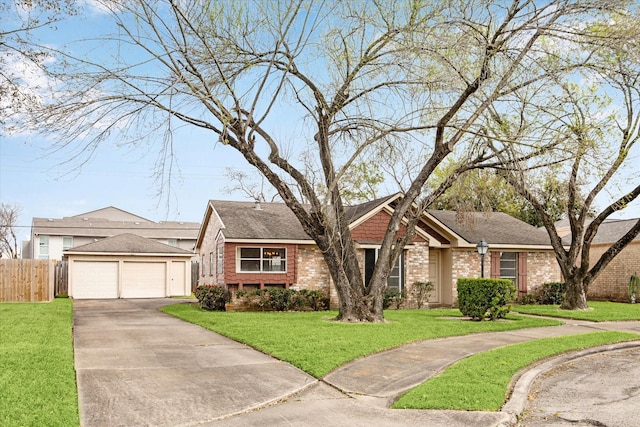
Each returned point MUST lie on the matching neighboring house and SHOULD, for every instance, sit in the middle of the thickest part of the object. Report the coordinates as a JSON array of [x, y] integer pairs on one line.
[[128, 266], [244, 245], [613, 282], [51, 236]]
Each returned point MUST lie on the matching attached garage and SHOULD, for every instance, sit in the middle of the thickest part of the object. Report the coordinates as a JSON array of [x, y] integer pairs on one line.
[[128, 266]]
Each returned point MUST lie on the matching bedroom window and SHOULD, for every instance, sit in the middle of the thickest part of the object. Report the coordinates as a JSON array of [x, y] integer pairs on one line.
[[263, 260]]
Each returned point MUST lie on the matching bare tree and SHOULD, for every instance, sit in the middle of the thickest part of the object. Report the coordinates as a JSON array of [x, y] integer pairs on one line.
[[362, 79], [22, 59], [595, 117], [8, 240]]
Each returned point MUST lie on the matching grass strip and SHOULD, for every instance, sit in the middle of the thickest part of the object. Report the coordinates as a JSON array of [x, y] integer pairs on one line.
[[317, 345], [480, 382], [37, 376], [600, 311]]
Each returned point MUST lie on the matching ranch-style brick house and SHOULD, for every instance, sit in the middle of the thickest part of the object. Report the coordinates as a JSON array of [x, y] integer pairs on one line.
[[246, 245]]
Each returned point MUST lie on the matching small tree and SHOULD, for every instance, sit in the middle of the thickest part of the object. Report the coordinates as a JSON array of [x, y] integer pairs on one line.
[[9, 215]]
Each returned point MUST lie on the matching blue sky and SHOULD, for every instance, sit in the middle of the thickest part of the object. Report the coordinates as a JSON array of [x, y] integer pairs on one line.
[[40, 182]]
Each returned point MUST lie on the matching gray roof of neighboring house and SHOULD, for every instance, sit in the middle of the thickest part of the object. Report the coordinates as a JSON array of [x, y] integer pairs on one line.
[[130, 244], [613, 229], [608, 232], [101, 227], [493, 227]]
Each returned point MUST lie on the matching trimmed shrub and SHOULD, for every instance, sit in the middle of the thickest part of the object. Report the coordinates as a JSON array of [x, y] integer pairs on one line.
[[551, 293], [279, 299], [485, 298], [212, 297]]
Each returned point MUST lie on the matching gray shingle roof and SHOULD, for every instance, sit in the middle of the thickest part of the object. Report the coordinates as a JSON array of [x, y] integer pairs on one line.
[[612, 230], [493, 227], [273, 221], [129, 243], [98, 227]]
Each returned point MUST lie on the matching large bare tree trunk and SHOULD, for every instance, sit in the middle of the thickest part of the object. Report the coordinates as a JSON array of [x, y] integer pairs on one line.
[[575, 297]]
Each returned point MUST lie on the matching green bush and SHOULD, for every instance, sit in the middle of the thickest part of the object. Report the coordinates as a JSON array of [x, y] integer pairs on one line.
[[279, 299], [212, 297], [551, 293], [485, 298], [393, 297], [315, 300]]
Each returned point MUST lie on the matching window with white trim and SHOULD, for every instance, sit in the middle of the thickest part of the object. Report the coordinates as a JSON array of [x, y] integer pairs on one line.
[[220, 259], [43, 246], [262, 260], [67, 243], [202, 265], [211, 264]]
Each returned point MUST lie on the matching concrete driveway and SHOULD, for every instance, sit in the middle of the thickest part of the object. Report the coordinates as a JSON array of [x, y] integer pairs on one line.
[[137, 366]]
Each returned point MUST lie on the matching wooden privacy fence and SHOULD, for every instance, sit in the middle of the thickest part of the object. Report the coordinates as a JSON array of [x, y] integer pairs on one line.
[[26, 280]]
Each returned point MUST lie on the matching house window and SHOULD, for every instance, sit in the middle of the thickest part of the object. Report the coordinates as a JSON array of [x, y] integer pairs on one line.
[[509, 266], [67, 243], [211, 264], [43, 247], [202, 266], [265, 260], [172, 242], [395, 281], [220, 259]]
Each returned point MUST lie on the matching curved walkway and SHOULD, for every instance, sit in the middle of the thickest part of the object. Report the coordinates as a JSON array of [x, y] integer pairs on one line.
[[137, 366]]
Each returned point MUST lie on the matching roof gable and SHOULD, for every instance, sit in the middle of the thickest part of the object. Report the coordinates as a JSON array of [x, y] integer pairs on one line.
[[111, 213], [130, 244]]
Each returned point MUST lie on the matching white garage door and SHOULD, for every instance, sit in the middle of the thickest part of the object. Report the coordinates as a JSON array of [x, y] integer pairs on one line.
[[143, 280], [95, 280]]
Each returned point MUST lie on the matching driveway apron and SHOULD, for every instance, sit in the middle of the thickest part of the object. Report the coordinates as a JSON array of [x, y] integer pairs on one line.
[[138, 366]]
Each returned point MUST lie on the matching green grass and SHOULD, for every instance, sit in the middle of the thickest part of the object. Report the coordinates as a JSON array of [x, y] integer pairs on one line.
[[37, 376], [600, 311], [317, 345], [480, 382]]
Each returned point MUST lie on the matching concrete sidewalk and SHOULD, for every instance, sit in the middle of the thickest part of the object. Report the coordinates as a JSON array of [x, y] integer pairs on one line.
[[138, 366]]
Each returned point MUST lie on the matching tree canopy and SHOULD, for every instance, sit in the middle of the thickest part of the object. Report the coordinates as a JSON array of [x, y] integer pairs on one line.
[[399, 83]]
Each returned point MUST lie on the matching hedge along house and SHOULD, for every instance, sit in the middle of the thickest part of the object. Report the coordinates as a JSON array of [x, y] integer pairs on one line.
[[128, 266], [246, 245]]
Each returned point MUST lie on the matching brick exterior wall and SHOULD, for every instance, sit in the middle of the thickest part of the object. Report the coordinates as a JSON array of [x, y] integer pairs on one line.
[[613, 282], [541, 267], [313, 273]]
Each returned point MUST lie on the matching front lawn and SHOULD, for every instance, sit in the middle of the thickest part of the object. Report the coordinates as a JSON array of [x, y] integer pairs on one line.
[[37, 376], [317, 345], [480, 382], [600, 311]]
